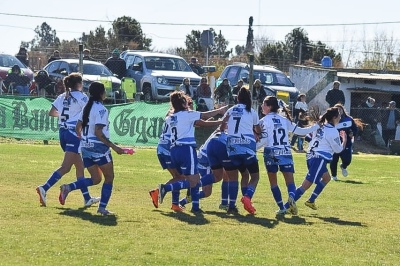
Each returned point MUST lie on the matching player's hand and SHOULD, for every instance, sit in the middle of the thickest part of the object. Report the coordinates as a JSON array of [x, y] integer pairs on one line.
[[343, 135], [118, 150]]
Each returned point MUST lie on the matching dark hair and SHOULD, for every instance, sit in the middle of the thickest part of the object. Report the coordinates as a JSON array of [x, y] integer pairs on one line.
[[338, 105], [272, 101], [71, 82], [177, 99], [15, 67], [299, 97], [330, 114], [244, 97], [96, 91]]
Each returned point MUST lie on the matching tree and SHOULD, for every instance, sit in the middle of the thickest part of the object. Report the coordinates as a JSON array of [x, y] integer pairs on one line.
[[239, 49], [192, 42], [220, 45], [45, 37], [297, 43], [128, 31], [276, 54]]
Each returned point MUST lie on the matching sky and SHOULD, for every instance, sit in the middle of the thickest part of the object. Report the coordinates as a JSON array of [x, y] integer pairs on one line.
[[271, 20]]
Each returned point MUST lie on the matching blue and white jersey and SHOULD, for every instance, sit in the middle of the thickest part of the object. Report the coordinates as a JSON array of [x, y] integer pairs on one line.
[[202, 153], [182, 127], [325, 141], [240, 130], [275, 132], [90, 143], [70, 108], [347, 124], [164, 142]]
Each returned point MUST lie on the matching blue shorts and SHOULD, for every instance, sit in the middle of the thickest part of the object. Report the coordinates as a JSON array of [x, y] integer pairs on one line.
[[184, 157], [316, 168], [165, 161], [281, 159], [69, 141], [90, 161], [204, 169], [288, 168], [243, 160], [217, 155]]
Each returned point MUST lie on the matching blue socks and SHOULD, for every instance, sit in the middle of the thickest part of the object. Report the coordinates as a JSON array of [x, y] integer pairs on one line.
[[243, 189], [317, 190], [276, 193], [194, 192], [291, 190], [106, 191], [299, 192], [224, 192], [207, 180], [233, 193], [250, 191], [84, 189], [175, 196], [52, 180], [184, 184]]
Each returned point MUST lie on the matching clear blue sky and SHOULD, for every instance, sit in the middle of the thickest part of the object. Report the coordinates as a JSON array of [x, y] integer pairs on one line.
[[13, 29]]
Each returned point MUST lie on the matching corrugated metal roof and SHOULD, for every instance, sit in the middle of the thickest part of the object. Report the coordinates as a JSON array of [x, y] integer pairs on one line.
[[368, 76]]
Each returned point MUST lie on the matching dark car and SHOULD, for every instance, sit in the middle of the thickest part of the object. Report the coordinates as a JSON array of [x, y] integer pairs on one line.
[[274, 81], [6, 63], [92, 71]]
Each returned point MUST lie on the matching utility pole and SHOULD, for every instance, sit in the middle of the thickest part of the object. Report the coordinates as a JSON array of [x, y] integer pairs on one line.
[[300, 48], [251, 76]]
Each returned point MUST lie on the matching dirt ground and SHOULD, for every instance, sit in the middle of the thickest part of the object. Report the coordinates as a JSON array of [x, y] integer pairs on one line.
[[363, 146]]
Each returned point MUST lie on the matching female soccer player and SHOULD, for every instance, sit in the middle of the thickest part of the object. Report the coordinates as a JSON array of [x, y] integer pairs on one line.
[[183, 143], [96, 152], [325, 141], [67, 107], [348, 125], [277, 152], [241, 145]]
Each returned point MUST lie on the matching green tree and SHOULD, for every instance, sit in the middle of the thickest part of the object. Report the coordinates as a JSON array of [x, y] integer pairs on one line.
[[276, 54], [298, 39], [45, 37], [239, 49], [192, 42], [128, 31]]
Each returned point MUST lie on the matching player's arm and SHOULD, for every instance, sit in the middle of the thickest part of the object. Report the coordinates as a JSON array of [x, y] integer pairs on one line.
[[98, 131]]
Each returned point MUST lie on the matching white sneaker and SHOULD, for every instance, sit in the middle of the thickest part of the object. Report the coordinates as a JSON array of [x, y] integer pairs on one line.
[[42, 196], [344, 171], [334, 178], [91, 201], [280, 212]]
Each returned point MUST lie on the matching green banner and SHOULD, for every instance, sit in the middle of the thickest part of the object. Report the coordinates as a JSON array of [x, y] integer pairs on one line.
[[136, 124]]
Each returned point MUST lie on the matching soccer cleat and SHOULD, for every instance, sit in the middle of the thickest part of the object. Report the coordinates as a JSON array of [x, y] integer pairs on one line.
[[42, 196], [223, 207], [281, 212], [232, 210], [248, 206], [161, 193], [310, 204], [344, 171], [91, 201], [197, 211], [104, 212], [154, 196], [292, 206], [177, 208], [334, 178], [64, 190]]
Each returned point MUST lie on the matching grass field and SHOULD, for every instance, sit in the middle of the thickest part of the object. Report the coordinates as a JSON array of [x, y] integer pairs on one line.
[[357, 222]]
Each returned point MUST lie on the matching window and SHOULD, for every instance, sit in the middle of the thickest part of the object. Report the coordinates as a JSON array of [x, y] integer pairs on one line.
[[63, 68], [232, 75], [53, 67]]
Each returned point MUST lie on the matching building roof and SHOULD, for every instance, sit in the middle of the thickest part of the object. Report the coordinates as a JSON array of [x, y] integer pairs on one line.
[[373, 76]]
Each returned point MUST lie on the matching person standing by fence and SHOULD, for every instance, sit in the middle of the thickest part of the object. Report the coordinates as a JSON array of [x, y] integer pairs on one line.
[[335, 95]]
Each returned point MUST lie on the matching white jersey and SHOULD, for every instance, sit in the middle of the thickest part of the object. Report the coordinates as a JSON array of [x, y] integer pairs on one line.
[[275, 131], [69, 109], [164, 142], [240, 130], [98, 116], [325, 141], [182, 127]]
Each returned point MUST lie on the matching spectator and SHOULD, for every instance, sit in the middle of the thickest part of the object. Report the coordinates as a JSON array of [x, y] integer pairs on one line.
[[299, 114], [203, 92], [259, 95], [86, 55], [195, 66], [55, 56], [116, 64], [45, 85], [370, 114], [23, 56], [335, 95], [18, 80], [235, 90], [223, 93], [390, 120], [187, 88]]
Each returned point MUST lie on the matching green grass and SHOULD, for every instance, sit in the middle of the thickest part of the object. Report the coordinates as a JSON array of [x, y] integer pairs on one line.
[[357, 222]]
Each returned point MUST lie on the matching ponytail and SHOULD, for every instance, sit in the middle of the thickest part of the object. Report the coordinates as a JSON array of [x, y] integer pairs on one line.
[[96, 91], [244, 97]]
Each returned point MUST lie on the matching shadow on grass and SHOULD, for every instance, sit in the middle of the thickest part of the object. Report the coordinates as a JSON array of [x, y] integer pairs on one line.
[[338, 221], [187, 217], [251, 219], [289, 219], [351, 182], [109, 220]]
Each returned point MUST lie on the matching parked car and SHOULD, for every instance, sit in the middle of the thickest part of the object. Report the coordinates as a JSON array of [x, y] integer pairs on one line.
[[6, 63], [157, 74], [92, 71], [274, 80]]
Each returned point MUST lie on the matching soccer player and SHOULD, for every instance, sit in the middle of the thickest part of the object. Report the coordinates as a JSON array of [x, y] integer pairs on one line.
[[93, 130], [325, 141], [183, 144], [277, 153], [242, 123], [67, 107], [348, 125]]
